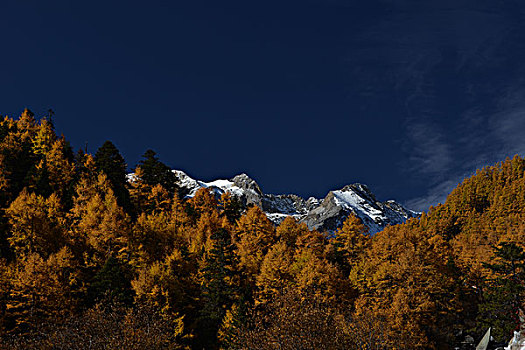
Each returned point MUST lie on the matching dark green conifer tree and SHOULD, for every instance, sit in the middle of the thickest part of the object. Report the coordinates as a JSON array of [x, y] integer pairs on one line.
[[39, 180], [109, 160], [217, 287], [155, 172], [16, 156], [504, 292], [112, 283], [231, 207]]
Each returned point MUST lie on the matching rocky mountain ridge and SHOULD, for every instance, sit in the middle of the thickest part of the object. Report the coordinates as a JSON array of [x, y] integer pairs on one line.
[[322, 214]]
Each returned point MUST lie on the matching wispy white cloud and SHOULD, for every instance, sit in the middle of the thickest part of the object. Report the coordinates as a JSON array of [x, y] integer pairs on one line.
[[508, 124], [435, 195], [483, 139], [455, 65], [431, 154], [481, 120]]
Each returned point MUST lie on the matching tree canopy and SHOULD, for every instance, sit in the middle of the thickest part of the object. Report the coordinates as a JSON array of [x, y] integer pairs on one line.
[[85, 248]]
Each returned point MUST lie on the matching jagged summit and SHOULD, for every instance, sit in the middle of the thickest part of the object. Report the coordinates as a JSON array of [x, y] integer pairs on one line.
[[246, 182], [361, 189], [322, 214]]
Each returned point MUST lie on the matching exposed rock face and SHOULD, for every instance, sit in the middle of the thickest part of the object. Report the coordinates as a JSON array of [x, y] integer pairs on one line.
[[252, 193], [359, 200], [325, 215]]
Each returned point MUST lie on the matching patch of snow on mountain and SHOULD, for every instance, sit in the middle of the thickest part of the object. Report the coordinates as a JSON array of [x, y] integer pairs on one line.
[[312, 202], [194, 185], [351, 200], [186, 181], [225, 185], [277, 218]]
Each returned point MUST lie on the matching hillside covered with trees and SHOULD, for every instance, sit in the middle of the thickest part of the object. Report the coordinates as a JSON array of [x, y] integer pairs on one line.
[[90, 258]]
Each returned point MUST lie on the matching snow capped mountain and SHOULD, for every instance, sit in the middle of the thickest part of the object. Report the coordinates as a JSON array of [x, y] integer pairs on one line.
[[326, 214], [359, 200]]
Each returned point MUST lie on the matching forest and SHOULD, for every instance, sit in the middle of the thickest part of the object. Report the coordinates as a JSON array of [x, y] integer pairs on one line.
[[94, 258]]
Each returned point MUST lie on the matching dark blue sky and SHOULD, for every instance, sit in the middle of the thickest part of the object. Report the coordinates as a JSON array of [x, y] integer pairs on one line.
[[406, 96]]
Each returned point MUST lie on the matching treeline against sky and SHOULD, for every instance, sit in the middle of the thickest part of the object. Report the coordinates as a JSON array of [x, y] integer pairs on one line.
[[92, 258]]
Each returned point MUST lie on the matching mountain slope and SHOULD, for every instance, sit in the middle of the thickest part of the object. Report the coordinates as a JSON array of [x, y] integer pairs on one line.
[[322, 214]]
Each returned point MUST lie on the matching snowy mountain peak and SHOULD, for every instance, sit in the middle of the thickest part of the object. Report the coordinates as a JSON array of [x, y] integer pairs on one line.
[[246, 183], [243, 177], [327, 214], [360, 189]]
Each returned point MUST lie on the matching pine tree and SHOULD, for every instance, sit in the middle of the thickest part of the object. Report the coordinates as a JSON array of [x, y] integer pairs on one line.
[[16, 156], [109, 160], [147, 198], [230, 207], [504, 291], [155, 172], [217, 286], [111, 284], [39, 179], [139, 193]]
